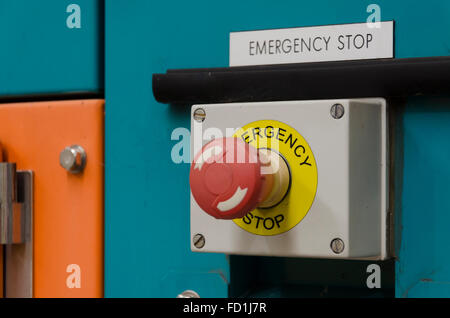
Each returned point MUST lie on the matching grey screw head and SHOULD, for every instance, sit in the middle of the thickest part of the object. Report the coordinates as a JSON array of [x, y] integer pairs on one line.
[[188, 294], [337, 246], [73, 159], [199, 115], [198, 240], [337, 111]]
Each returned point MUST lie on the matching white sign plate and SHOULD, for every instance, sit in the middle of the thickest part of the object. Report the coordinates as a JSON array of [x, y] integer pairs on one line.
[[313, 44]]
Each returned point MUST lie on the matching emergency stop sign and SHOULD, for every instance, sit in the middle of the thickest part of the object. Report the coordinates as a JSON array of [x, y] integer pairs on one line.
[[226, 178]]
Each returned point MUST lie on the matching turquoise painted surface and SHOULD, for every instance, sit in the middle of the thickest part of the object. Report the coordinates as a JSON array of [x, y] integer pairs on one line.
[[147, 195], [424, 254], [40, 55]]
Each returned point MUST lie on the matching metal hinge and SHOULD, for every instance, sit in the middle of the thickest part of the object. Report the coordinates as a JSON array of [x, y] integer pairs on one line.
[[16, 219], [15, 204]]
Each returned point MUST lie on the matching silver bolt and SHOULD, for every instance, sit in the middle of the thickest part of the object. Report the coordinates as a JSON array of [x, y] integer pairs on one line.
[[188, 294], [337, 245], [73, 159], [199, 240], [337, 111], [199, 115]]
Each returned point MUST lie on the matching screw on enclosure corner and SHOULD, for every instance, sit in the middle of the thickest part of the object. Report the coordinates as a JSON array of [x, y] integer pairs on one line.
[[199, 115], [198, 240], [337, 246], [337, 111]]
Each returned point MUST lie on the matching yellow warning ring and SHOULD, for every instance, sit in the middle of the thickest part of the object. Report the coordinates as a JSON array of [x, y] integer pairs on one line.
[[285, 140]]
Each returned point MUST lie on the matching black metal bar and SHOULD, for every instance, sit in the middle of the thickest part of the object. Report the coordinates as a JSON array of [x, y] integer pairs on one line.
[[344, 79]]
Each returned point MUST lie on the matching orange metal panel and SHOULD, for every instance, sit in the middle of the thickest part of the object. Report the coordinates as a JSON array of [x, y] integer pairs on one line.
[[68, 208]]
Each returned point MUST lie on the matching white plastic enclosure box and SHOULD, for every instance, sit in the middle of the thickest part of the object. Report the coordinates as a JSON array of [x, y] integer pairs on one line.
[[351, 198]]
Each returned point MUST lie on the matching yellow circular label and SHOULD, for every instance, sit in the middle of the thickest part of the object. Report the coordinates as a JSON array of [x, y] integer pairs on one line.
[[285, 140]]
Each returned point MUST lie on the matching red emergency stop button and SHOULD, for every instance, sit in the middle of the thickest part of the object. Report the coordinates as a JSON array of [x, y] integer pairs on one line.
[[226, 178]]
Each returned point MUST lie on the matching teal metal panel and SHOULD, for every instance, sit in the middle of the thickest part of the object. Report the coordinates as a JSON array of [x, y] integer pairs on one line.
[[423, 263], [147, 195], [41, 55]]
